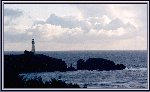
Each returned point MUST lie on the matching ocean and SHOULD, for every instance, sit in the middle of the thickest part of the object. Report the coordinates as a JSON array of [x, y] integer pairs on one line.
[[135, 76]]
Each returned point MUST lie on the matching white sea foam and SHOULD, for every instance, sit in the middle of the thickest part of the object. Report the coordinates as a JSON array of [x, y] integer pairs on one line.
[[135, 68], [128, 78]]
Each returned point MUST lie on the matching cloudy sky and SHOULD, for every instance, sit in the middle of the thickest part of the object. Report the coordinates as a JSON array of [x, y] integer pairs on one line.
[[58, 27]]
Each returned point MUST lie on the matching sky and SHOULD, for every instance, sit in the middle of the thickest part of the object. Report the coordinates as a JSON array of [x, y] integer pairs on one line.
[[61, 27]]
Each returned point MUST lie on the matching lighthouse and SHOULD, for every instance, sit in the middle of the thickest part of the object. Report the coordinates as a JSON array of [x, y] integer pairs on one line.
[[33, 46]]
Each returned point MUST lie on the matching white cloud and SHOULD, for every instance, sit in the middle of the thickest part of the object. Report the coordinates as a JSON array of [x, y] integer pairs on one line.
[[51, 32], [108, 33], [15, 26], [129, 13], [88, 27]]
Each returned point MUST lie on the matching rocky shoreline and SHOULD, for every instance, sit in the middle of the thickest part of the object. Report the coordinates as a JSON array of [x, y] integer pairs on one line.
[[29, 62], [41, 63]]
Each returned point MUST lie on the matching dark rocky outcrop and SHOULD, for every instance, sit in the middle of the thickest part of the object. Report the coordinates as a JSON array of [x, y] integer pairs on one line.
[[81, 65], [33, 63], [71, 68], [98, 64], [28, 62]]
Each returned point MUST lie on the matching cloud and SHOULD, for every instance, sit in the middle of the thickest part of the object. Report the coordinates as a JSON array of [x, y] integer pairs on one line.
[[15, 25], [71, 30], [13, 38], [49, 32], [109, 33], [103, 22], [12, 13], [93, 10], [114, 24], [53, 33], [86, 24], [132, 13], [68, 22], [95, 27]]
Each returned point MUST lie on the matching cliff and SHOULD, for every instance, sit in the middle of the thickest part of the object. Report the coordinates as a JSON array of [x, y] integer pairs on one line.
[[33, 63], [29, 62]]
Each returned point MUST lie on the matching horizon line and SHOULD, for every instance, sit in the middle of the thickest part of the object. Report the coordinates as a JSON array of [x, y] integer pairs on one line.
[[82, 50]]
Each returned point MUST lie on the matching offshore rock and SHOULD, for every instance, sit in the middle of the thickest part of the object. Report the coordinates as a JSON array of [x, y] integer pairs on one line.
[[98, 64]]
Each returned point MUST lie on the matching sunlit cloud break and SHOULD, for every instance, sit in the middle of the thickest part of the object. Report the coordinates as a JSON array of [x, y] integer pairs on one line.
[[75, 26]]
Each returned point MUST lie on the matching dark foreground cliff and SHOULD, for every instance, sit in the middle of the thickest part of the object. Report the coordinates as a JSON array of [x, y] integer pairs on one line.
[[28, 62]]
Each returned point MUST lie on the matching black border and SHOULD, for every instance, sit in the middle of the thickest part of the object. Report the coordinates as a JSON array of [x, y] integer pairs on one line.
[[70, 2], [1, 44]]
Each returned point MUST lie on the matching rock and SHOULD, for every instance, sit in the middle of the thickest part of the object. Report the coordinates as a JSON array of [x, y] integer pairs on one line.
[[81, 65], [98, 64], [71, 68], [120, 67], [29, 62], [33, 63]]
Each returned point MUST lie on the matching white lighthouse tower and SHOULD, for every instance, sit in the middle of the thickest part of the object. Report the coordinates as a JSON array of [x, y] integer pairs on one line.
[[33, 46]]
